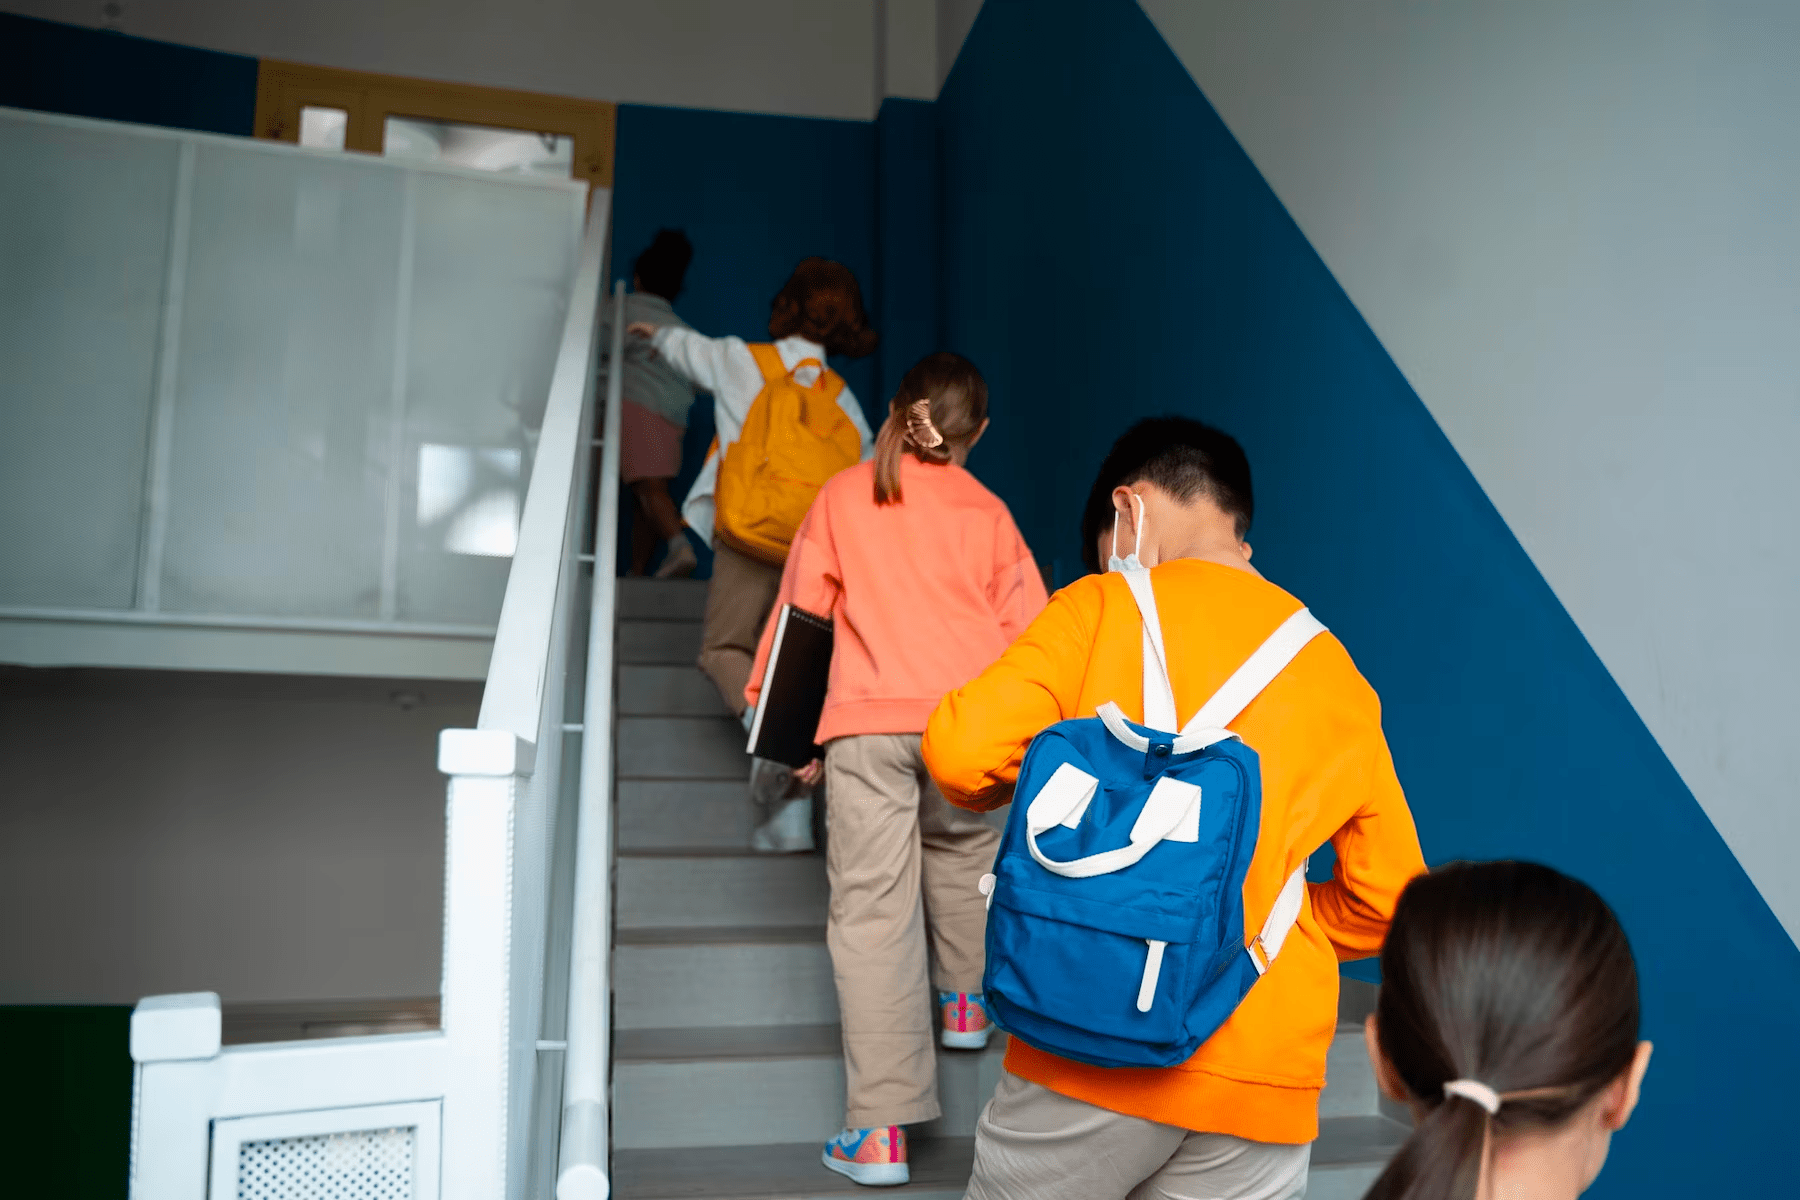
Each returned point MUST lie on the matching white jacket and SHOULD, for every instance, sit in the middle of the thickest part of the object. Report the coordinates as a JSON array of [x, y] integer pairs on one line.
[[725, 367]]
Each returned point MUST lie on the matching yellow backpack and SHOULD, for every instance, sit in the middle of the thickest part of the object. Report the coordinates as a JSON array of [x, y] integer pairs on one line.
[[794, 439]]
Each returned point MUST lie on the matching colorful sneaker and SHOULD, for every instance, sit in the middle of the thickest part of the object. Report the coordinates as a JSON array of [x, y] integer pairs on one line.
[[872, 1157], [965, 1021]]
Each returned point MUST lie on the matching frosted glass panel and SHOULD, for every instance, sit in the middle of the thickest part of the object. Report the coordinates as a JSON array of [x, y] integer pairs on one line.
[[349, 361], [493, 269], [283, 416], [84, 239]]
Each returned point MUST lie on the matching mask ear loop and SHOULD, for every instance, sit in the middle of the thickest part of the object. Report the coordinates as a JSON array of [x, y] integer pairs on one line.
[[1115, 547], [1137, 551]]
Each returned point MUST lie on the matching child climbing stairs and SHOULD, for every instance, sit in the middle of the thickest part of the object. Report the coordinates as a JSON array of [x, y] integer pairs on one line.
[[727, 1067]]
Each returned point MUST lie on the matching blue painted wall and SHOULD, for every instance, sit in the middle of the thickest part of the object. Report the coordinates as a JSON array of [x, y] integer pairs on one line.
[[1109, 253], [66, 69], [908, 208]]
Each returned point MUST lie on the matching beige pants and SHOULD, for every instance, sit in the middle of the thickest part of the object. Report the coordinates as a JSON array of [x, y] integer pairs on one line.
[[1033, 1144], [902, 861], [738, 601]]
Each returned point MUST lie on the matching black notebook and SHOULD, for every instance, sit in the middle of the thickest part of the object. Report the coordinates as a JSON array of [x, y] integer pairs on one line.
[[793, 688]]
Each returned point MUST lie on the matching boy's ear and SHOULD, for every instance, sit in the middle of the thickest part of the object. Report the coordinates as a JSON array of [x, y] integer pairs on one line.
[[1619, 1107], [1385, 1079]]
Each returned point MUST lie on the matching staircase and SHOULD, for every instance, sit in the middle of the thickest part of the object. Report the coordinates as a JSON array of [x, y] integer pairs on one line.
[[726, 1045]]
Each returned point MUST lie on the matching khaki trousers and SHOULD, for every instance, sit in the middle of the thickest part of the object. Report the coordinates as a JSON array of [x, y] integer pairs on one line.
[[738, 601], [905, 871], [1034, 1144]]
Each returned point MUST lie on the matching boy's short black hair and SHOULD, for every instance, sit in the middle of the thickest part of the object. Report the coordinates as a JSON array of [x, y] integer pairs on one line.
[[1184, 457]]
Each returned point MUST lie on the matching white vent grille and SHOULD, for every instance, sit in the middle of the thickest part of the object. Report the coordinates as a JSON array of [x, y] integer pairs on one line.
[[368, 1164]]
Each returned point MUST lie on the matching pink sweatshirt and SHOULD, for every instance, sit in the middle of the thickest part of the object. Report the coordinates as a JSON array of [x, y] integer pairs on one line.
[[923, 594]]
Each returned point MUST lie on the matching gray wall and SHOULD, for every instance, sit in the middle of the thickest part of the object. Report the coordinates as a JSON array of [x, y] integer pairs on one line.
[[1572, 225], [271, 838], [810, 58]]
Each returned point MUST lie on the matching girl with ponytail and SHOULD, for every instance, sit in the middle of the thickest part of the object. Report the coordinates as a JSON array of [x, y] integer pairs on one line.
[[1508, 1023], [926, 580]]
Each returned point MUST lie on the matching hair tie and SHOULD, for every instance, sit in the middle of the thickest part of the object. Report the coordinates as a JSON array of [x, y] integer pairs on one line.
[[919, 429], [1480, 1093]]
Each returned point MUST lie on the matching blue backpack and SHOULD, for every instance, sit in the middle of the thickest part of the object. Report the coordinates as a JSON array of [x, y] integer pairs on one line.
[[1115, 930]]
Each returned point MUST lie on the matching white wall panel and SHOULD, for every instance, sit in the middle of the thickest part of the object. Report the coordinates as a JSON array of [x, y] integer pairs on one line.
[[1572, 224]]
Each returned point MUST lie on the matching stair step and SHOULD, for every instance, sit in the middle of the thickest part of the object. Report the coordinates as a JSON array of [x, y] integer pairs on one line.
[[722, 889], [1350, 1089], [1346, 1159], [940, 1171], [683, 814], [668, 691], [662, 599], [682, 748], [754, 1086], [1350, 1154], [674, 978], [675, 643]]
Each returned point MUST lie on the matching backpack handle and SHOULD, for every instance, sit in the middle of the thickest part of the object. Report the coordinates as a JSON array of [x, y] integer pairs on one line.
[[1170, 805]]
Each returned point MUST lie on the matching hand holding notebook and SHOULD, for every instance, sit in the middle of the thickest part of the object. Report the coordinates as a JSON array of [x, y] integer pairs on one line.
[[793, 689]]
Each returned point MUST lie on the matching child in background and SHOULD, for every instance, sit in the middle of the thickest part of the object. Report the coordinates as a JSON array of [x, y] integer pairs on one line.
[[655, 411], [926, 580], [818, 312], [1238, 1118], [1508, 1021]]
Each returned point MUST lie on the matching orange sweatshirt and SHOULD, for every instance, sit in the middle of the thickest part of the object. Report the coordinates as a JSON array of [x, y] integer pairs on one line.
[[1326, 776], [922, 594]]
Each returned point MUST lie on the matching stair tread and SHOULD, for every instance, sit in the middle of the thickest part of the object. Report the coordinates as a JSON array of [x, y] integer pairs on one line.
[[739, 1042], [718, 935], [1357, 1140], [716, 852], [938, 1164], [755, 1172]]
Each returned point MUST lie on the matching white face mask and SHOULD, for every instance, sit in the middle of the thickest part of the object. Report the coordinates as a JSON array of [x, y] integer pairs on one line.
[[1130, 562]]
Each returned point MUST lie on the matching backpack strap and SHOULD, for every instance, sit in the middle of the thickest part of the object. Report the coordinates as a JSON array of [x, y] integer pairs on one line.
[[768, 361], [1246, 684], [1159, 689], [1258, 672]]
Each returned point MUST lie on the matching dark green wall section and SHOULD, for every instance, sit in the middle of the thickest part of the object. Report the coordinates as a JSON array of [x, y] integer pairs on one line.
[[67, 69], [65, 1102], [1111, 252]]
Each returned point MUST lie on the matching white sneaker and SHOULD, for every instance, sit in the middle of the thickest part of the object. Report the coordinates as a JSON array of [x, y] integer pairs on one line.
[[789, 831], [680, 561]]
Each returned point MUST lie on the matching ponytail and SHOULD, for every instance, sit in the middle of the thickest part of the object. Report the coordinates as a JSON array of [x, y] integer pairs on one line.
[[940, 408], [1442, 1160]]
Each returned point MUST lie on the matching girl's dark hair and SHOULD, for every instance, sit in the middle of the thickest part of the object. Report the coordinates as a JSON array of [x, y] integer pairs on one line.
[[1512, 975], [956, 396], [664, 263], [822, 303]]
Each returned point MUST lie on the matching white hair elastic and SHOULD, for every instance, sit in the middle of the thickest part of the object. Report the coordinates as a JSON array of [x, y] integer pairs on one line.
[[1480, 1093]]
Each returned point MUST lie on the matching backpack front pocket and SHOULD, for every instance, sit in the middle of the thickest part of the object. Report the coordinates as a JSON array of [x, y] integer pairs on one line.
[[1088, 978]]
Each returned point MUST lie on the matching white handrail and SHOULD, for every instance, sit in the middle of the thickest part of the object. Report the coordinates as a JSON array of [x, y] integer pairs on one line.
[[583, 1159], [514, 695]]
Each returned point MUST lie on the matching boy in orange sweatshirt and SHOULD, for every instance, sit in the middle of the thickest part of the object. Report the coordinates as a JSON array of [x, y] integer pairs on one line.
[[1239, 1117], [926, 579]]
